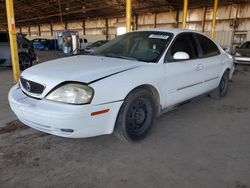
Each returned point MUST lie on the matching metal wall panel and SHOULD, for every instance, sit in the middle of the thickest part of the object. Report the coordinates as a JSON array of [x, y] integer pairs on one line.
[[75, 25], [96, 29], [58, 26], [166, 17]]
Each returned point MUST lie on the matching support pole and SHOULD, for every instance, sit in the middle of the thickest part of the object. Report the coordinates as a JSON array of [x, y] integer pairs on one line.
[[39, 30], [136, 22], [128, 15], [66, 25], [83, 28], [13, 39], [204, 19], [106, 29], [177, 18], [29, 32], [184, 14], [155, 19], [212, 34], [51, 29]]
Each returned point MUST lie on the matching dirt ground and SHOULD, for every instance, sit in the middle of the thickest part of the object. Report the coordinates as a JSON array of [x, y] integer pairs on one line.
[[204, 144]]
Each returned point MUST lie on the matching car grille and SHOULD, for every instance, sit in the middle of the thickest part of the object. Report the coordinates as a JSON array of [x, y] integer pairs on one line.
[[31, 86]]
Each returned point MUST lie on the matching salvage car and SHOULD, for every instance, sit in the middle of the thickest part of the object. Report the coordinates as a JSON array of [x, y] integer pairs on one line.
[[41, 44], [26, 52], [242, 55], [123, 85], [92, 47]]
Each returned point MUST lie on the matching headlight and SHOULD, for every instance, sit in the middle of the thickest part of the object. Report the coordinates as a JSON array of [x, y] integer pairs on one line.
[[237, 54], [73, 93]]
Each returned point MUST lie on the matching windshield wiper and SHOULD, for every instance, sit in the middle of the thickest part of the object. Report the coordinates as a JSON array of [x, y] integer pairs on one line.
[[119, 56]]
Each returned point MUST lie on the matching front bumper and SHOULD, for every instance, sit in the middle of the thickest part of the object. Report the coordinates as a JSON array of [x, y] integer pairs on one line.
[[73, 121], [242, 60]]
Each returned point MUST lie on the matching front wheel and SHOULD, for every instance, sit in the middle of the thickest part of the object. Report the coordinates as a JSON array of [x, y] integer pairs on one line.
[[222, 89], [136, 116]]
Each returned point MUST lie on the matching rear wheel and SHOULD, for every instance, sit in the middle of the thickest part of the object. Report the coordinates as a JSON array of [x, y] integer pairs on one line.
[[222, 89], [136, 116]]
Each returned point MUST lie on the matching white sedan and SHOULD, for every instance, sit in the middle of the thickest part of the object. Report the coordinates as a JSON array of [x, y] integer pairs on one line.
[[122, 86]]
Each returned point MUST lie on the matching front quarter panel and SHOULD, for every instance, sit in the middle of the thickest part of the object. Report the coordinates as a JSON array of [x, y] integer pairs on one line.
[[118, 86], [228, 62]]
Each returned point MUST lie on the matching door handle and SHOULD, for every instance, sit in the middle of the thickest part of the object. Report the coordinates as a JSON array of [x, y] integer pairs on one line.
[[198, 67]]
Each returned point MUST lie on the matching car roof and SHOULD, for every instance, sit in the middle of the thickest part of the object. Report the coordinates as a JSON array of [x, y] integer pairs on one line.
[[175, 31]]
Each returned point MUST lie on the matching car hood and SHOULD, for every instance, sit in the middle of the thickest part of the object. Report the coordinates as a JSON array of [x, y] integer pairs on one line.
[[82, 68], [244, 52]]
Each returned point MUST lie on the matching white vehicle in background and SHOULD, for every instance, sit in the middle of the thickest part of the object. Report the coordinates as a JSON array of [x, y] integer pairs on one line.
[[92, 47], [123, 85], [242, 55], [83, 43]]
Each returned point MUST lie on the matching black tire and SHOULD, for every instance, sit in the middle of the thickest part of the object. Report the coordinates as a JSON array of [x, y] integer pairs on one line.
[[221, 90], [24, 61], [136, 116]]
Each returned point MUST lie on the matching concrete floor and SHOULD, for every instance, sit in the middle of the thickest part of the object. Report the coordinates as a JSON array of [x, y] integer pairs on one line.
[[204, 144]]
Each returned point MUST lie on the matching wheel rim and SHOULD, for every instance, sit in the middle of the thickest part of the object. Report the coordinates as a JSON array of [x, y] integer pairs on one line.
[[139, 117], [24, 62]]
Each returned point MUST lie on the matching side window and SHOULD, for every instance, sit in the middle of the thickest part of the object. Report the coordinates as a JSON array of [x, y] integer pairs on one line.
[[246, 45], [207, 46], [183, 43]]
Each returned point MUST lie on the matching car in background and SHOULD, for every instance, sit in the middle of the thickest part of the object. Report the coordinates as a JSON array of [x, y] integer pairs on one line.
[[227, 49], [41, 44], [123, 85], [92, 47], [83, 43], [242, 55], [26, 52], [53, 45]]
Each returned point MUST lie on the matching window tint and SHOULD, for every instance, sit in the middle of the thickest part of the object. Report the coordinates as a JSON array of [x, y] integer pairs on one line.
[[245, 46], [4, 37], [207, 46], [184, 43], [146, 46]]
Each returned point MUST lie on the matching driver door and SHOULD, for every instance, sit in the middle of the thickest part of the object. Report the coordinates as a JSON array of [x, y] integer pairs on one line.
[[183, 77]]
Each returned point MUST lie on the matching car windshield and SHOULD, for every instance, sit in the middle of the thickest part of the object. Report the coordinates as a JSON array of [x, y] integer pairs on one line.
[[147, 46], [245, 45]]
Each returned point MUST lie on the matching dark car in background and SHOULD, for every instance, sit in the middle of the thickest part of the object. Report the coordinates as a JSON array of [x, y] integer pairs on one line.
[[26, 52], [242, 55], [53, 45], [92, 47], [44, 44]]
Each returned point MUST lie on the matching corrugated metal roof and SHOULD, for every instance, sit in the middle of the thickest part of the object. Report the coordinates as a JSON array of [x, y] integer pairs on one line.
[[37, 11]]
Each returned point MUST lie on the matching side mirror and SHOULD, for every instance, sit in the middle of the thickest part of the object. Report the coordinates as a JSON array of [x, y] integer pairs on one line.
[[181, 56]]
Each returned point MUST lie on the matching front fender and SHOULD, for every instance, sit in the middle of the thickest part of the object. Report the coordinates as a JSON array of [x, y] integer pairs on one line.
[[118, 86]]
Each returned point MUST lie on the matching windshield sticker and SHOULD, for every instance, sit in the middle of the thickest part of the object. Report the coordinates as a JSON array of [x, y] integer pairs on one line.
[[154, 36]]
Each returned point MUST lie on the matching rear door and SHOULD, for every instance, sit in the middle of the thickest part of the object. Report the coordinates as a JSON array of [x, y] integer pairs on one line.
[[183, 77], [212, 61]]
